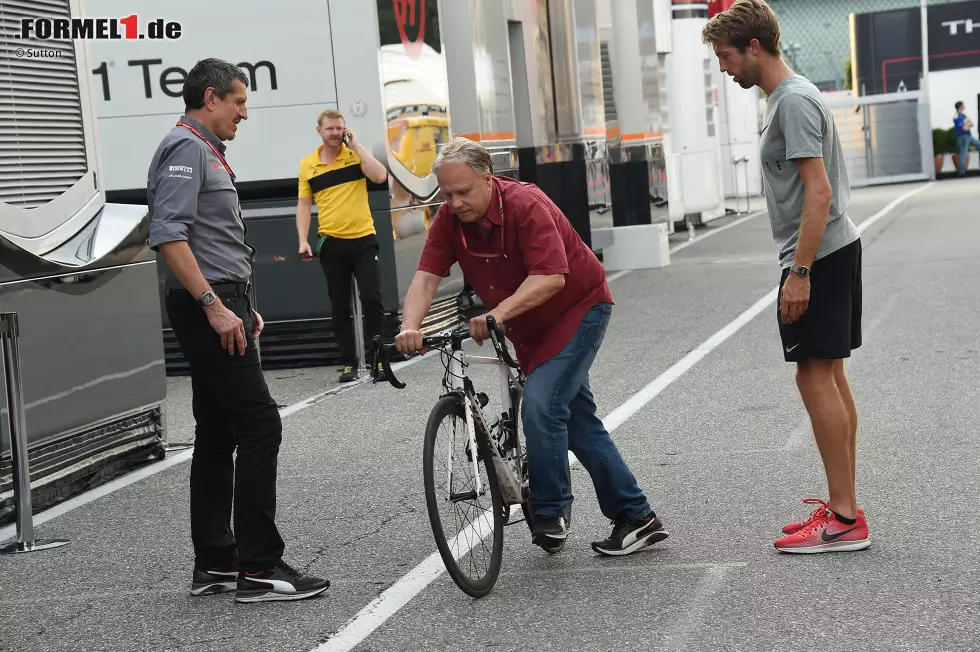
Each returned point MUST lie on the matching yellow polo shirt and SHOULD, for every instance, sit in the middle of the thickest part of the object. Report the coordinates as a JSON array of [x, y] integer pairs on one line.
[[340, 192]]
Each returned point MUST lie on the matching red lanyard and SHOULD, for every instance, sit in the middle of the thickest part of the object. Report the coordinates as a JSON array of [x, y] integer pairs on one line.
[[462, 232], [211, 145]]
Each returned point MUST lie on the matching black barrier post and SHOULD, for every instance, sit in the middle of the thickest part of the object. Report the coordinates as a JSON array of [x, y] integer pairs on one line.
[[26, 542]]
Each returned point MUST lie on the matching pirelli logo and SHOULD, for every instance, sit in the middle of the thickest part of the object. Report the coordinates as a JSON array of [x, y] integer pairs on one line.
[[182, 168]]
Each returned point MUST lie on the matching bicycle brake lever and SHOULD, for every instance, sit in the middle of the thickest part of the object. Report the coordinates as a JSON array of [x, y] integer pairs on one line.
[[497, 337], [381, 351], [390, 375]]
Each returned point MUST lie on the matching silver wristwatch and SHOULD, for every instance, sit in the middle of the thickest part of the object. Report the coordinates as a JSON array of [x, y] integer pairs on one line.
[[208, 298]]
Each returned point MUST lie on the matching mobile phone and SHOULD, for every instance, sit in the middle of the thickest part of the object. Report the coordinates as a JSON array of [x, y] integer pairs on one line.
[[346, 137]]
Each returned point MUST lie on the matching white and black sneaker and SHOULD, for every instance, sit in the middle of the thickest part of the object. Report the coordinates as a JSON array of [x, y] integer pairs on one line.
[[280, 583], [631, 535], [549, 532], [214, 581]]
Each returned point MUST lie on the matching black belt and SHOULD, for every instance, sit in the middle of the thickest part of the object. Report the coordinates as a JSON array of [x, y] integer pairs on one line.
[[232, 288]]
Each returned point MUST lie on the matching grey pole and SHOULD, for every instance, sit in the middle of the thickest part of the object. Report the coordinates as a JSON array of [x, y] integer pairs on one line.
[[748, 200], [924, 30], [358, 325], [9, 332]]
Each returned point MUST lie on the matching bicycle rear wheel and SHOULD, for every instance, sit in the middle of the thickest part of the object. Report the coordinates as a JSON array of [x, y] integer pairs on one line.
[[462, 519]]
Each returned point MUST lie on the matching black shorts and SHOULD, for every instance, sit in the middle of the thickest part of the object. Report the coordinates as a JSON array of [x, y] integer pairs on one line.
[[831, 326]]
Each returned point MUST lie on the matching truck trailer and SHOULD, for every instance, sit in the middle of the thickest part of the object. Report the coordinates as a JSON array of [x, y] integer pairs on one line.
[[76, 270]]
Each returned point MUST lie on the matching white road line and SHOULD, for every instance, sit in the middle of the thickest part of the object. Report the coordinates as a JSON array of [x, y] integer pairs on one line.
[[385, 605], [798, 435], [10, 531], [684, 245], [868, 223], [40, 518], [720, 229], [618, 416], [680, 631], [366, 621]]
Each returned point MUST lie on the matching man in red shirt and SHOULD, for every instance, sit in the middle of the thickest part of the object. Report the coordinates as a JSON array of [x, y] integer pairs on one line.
[[536, 276]]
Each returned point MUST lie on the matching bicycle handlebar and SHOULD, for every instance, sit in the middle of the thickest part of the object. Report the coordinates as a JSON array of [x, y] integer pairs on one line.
[[382, 352], [500, 342]]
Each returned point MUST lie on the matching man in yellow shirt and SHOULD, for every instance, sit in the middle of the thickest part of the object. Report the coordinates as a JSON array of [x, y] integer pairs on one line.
[[335, 177]]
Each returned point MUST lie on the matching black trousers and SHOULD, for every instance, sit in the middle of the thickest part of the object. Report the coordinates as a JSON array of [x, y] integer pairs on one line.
[[343, 259], [233, 410]]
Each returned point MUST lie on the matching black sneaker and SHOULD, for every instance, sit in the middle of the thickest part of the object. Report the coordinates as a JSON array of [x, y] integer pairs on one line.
[[280, 583], [629, 535], [219, 580], [349, 374], [549, 532]]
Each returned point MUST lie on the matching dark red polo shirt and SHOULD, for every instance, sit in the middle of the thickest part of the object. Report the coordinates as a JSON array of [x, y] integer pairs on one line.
[[531, 237]]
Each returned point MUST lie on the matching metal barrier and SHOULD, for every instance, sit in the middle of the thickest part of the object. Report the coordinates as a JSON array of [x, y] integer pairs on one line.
[[886, 138], [9, 332], [744, 159]]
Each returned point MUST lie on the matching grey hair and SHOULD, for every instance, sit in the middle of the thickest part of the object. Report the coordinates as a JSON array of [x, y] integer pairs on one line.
[[463, 150], [210, 73]]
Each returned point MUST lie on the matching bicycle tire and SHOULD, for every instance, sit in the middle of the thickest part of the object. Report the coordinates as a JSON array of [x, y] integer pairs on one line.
[[452, 406]]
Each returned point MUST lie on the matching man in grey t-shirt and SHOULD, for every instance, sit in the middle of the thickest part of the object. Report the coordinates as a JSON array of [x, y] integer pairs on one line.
[[819, 248], [798, 125], [196, 224]]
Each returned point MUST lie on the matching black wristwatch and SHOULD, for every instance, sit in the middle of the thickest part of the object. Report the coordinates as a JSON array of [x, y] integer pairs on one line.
[[208, 298], [800, 270]]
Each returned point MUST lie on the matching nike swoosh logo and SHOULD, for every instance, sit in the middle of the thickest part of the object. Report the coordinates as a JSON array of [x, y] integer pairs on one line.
[[834, 537], [790, 348]]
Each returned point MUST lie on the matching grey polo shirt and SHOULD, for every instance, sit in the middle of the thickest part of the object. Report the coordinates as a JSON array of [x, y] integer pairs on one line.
[[191, 197]]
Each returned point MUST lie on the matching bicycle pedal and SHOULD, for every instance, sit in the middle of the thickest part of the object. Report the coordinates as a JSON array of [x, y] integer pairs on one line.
[[550, 545]]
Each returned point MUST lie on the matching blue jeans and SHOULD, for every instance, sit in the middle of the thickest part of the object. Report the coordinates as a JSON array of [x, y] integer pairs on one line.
[[964, 141], [560, 414]]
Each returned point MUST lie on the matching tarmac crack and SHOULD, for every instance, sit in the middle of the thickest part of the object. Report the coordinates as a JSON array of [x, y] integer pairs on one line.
[[404, 509], [81, 612]]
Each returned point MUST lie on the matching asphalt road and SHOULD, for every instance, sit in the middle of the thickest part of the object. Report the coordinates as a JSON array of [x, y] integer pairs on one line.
[[724, 452]]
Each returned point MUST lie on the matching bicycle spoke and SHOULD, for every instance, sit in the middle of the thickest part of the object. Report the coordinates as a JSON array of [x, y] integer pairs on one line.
[[469, 521]]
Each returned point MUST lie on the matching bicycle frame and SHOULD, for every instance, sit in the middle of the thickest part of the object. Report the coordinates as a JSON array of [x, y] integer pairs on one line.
[[456, 382], [460, 383]]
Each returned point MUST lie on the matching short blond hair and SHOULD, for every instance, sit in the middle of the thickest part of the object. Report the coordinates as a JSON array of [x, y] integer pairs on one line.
[[743, 21], [330, 113]]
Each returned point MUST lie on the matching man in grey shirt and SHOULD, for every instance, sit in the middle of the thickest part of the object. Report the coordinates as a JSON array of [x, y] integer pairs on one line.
[[819, 311], [196, 223]]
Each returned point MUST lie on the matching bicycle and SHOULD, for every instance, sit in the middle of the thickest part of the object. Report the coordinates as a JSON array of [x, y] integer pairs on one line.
[[500, 442]]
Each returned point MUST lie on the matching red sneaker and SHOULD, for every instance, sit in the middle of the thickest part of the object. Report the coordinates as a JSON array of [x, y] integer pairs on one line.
[[799, 525], [826, 534]]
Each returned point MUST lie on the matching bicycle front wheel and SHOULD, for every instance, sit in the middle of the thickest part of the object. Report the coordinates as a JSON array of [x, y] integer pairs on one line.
[[463, 516]]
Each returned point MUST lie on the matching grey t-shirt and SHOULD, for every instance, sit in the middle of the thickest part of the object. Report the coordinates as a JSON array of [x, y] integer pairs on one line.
[[798, 124], [192, 197]]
